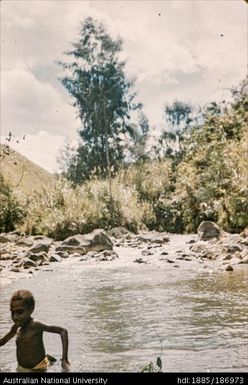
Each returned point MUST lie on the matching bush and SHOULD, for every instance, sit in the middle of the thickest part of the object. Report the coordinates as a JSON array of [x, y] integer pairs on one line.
[[66, 211], [11, 212]]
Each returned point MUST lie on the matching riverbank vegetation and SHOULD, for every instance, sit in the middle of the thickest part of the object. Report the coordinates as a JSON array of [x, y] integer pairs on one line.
[[122, 174]]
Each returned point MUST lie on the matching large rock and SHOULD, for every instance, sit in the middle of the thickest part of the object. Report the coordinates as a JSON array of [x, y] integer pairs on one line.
[[97, 240], [25, 242], [27, 263], [208, 230], [41, 245], [70, 249], [8, 237], [39, 258]]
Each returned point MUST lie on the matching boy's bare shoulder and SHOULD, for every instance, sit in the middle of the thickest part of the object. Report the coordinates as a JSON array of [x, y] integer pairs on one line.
[[38, 325], [44, 327]]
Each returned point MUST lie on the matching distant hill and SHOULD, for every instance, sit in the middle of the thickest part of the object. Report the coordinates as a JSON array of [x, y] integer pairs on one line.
[[23, 175]]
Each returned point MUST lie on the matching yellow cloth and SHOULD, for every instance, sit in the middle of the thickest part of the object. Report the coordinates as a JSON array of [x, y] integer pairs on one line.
[[42, 365]]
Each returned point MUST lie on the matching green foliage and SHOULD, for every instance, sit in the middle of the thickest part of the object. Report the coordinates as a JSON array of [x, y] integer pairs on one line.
[[66, 211], [178, 116], [151, 367], [103, 97], [211, 181], [11, 212], [150, 179]]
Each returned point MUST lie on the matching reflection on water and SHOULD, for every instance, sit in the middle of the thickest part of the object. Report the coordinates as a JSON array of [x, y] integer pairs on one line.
[[122, 316]]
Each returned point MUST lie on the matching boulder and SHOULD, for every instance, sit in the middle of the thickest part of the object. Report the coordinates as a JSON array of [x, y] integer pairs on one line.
[[25, 242], [67, 249], [27, 263], [55, 258], [97, 240], [63, 254], [208, 230], [232, 249], [38, 257], [9, 237], [41, 245]]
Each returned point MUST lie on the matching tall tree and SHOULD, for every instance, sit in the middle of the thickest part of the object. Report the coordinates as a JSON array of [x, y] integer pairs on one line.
[[103, 97]]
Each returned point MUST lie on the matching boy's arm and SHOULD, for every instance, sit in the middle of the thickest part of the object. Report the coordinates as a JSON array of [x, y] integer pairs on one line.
[[64, 339], [9, 335]]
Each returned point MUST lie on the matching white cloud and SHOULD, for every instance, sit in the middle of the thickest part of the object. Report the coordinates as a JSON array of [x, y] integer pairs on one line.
[[29, 104]]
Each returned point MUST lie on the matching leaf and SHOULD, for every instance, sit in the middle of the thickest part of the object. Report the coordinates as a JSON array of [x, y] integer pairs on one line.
[[159, 363]]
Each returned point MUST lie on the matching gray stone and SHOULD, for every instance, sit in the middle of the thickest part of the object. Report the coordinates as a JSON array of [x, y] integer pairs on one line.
[[27, 263], [110, 255], [42, 245], [70, 249], [245, 259], [25, 242], [208, 230], [55, 258], [244, 241], [38, 257], [140, 260], [235, 261], [76, 255], [97, 240], [63, 254], [234, 248], [244, 253], [227, 257], [5, 238]]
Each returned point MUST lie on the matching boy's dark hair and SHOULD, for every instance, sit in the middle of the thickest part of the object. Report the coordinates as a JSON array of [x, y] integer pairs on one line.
[[24, 295]]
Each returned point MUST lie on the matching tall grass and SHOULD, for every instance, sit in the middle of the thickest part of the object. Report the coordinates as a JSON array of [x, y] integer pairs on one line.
[[66, 211]]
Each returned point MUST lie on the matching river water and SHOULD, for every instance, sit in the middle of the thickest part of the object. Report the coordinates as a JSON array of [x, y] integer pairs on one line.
[[121, 315]]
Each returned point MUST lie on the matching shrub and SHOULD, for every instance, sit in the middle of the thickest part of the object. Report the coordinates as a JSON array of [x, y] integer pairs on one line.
[[66, 211], [11, 212]]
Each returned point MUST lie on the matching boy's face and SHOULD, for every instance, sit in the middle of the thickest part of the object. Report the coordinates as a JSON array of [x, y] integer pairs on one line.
[[20, 313]]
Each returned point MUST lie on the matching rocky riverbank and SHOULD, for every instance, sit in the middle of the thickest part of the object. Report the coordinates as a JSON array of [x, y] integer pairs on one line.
[[21, 254]]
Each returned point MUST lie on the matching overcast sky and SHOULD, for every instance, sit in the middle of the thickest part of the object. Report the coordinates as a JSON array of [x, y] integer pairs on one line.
[[190, 50]]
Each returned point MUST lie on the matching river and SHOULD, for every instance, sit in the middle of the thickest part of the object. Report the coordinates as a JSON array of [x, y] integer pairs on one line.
[[121, 315]]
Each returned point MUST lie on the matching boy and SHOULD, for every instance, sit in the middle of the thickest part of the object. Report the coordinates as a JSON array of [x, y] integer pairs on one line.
[[30, 349]]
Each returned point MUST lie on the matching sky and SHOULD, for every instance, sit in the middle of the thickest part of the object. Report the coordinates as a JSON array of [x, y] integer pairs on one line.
[[192, 51]]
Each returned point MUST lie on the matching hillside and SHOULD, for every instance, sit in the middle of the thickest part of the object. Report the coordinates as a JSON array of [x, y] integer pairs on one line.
[[22, 175]]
